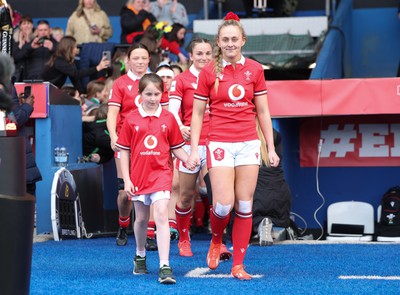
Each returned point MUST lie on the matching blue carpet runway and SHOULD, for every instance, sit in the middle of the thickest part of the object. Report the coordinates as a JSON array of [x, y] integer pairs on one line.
[[98, 266]]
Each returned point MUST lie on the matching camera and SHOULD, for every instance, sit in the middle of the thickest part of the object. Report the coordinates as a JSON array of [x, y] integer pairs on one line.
[[41, 40]]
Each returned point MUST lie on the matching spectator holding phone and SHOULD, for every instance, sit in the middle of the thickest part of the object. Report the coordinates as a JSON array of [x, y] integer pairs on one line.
[[61, 65], [89, 23], [22, 109], [35, 54]]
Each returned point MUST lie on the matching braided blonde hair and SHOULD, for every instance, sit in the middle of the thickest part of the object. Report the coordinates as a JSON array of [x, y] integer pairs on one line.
[[264, 150], [217, 50]]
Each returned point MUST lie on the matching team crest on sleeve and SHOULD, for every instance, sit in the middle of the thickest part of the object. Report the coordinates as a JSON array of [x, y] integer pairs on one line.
[[236, 92], [219, 154]]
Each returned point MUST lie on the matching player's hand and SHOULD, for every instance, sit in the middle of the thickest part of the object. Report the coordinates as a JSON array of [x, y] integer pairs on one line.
[[273, 159], [129, 188], [185, 133], [113, 141], [193, 160]]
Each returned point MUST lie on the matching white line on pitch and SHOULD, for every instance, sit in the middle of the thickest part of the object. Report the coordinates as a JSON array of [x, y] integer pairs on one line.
[[387, 278], [202, 273]]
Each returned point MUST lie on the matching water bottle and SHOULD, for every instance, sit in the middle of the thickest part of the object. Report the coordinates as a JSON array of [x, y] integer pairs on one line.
[[57, 156], [63, 156]]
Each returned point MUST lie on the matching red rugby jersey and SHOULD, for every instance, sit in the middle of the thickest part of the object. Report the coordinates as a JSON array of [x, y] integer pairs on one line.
[[150, 139], [125, 95], [183, 88], [232, 111]]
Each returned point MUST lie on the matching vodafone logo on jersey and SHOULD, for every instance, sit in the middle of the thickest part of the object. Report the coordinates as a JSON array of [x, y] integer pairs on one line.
[[150, 142], [236, 92]]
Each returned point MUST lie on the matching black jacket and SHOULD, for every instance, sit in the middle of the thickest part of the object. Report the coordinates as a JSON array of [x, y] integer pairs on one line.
[[58, 73], [33, 60], [131, 22], [22, 113], [97, 140]]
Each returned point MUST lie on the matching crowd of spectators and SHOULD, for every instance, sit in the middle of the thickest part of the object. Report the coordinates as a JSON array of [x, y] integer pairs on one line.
[[35, 46]]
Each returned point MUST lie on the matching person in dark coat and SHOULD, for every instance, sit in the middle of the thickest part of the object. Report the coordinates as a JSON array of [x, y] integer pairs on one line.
[[135, 18], [61, 65], [96, 139], [6, 72], [22, 109], [35, 54], [272, 197]]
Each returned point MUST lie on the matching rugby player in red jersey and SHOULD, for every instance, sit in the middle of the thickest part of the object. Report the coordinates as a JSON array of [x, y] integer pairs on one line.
[[235, 89]]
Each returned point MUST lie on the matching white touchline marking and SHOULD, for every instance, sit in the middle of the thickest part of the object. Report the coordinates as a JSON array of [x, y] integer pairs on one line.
[[387, 278], [202, 273]]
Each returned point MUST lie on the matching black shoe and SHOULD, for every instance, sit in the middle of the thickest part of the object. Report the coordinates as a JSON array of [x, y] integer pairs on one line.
[[139, 265], [173, 233], [122, 237], [151, 244], [165, 275]]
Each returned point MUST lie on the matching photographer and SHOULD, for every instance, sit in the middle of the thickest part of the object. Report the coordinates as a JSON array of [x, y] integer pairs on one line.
[[36, 54], [22, 109]]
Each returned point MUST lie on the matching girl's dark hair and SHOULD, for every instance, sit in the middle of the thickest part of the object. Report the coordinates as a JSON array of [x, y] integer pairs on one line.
[[153, 57], [93, 87], [151, 78], [102, 112], [136, 46], [64, 50], [172, 36], [150, 38]]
